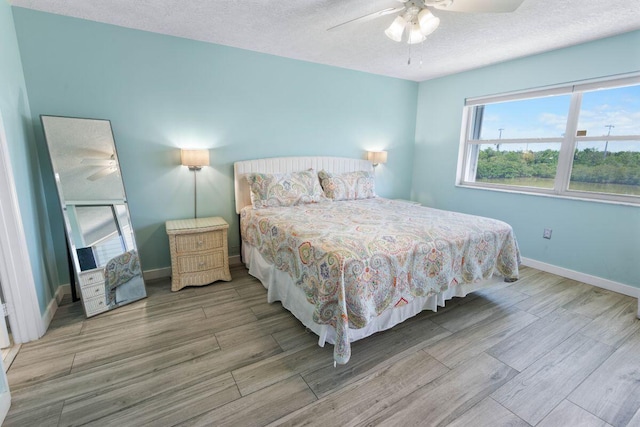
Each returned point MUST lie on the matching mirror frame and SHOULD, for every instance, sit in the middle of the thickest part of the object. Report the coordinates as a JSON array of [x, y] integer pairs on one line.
[[64, 205]]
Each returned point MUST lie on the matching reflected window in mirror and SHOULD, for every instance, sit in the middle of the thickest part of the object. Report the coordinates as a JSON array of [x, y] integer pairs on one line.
[[100, 232]]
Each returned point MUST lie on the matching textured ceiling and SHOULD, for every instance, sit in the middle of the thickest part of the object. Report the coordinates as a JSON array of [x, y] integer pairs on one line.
[[297, 29]]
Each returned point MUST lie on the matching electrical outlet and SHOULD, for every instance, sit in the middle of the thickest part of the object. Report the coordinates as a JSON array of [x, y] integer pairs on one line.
[[546, 233]]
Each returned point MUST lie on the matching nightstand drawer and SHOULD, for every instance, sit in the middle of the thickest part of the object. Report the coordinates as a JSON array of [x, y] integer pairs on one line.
[[95, 305], [197, 242], [93, 291], [91, 278], [195, 263]]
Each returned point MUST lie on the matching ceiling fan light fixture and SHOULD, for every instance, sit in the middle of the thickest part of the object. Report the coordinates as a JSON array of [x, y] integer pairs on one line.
[[395, 30], [415, 34], [440, 4], [428, 22]]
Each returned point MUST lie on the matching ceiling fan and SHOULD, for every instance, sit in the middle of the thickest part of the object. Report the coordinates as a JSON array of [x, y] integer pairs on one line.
[[415, 17], [109, 166]]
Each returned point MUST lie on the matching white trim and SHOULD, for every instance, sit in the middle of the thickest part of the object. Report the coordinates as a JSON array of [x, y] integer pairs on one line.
[[48, 314], [95, 202], [568, 146], [522, 190], [16, 274], [54, 304], [62, 290], [610, 285], [551, 140], [627, 79], [156, 273], [516, 96]]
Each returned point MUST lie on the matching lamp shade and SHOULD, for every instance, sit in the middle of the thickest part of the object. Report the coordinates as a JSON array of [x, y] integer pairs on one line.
[[415, 35], [194, 158], [395, 30], [377, 157], [428, 22]]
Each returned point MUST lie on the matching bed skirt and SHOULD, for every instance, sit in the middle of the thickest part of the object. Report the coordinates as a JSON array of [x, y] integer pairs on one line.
[[281, 287]]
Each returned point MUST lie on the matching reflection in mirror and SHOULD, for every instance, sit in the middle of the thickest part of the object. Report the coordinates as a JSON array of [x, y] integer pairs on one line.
[[100, 232], [87, 174]]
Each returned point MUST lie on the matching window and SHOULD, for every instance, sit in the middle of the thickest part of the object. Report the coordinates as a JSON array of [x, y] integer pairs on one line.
[[580, 141]]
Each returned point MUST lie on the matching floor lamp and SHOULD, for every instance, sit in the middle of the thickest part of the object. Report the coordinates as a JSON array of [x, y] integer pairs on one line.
[[195, 160]]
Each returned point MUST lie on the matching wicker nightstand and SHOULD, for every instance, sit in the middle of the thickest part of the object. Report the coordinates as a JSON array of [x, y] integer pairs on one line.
[[199, 252]]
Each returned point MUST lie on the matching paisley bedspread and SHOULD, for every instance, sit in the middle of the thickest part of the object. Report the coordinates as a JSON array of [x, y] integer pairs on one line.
[[355, 259], [118, 271]]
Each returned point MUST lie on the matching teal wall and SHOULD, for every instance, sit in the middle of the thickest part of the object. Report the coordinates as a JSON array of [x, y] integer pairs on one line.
[[163, 92], [16, 115], [590, 237]]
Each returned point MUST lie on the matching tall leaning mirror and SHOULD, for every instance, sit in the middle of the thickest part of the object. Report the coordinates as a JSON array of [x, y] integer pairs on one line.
[[94, 205]]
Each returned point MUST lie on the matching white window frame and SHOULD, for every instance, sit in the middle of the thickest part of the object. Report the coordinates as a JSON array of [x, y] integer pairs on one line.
[[467, 161]]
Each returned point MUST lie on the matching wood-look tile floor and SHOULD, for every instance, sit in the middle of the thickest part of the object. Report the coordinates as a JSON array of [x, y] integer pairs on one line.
[[543, 351]]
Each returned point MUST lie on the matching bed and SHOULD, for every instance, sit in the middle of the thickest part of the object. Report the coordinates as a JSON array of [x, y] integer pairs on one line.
[[355, 264]]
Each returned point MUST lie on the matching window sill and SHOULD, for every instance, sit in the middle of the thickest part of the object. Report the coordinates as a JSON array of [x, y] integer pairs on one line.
[[548, 193]]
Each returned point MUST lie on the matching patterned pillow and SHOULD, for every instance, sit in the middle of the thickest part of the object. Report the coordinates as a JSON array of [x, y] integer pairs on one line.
[[348, 185], [285, 189]]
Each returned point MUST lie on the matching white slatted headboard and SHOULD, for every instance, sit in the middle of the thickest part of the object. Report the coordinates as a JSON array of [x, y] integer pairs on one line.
[[289, 164]]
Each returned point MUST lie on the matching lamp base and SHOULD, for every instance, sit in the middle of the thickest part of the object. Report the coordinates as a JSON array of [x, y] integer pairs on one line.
[[195, 190]]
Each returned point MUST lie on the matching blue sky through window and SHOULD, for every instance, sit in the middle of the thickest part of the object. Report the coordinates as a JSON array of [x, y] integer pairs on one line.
[[528, 118], [547, 117]]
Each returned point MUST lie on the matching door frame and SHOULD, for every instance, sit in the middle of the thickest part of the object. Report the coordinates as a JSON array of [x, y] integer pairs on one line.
[[16, 275]]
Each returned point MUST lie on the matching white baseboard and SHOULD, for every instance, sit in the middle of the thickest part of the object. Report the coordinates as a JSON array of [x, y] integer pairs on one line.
[[62, 291], [48, 314], [157, 273], [610, 285]]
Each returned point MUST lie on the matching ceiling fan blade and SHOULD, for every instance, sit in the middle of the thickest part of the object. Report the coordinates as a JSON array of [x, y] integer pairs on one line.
[[102, 173], [369, 16], [477, 6]]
